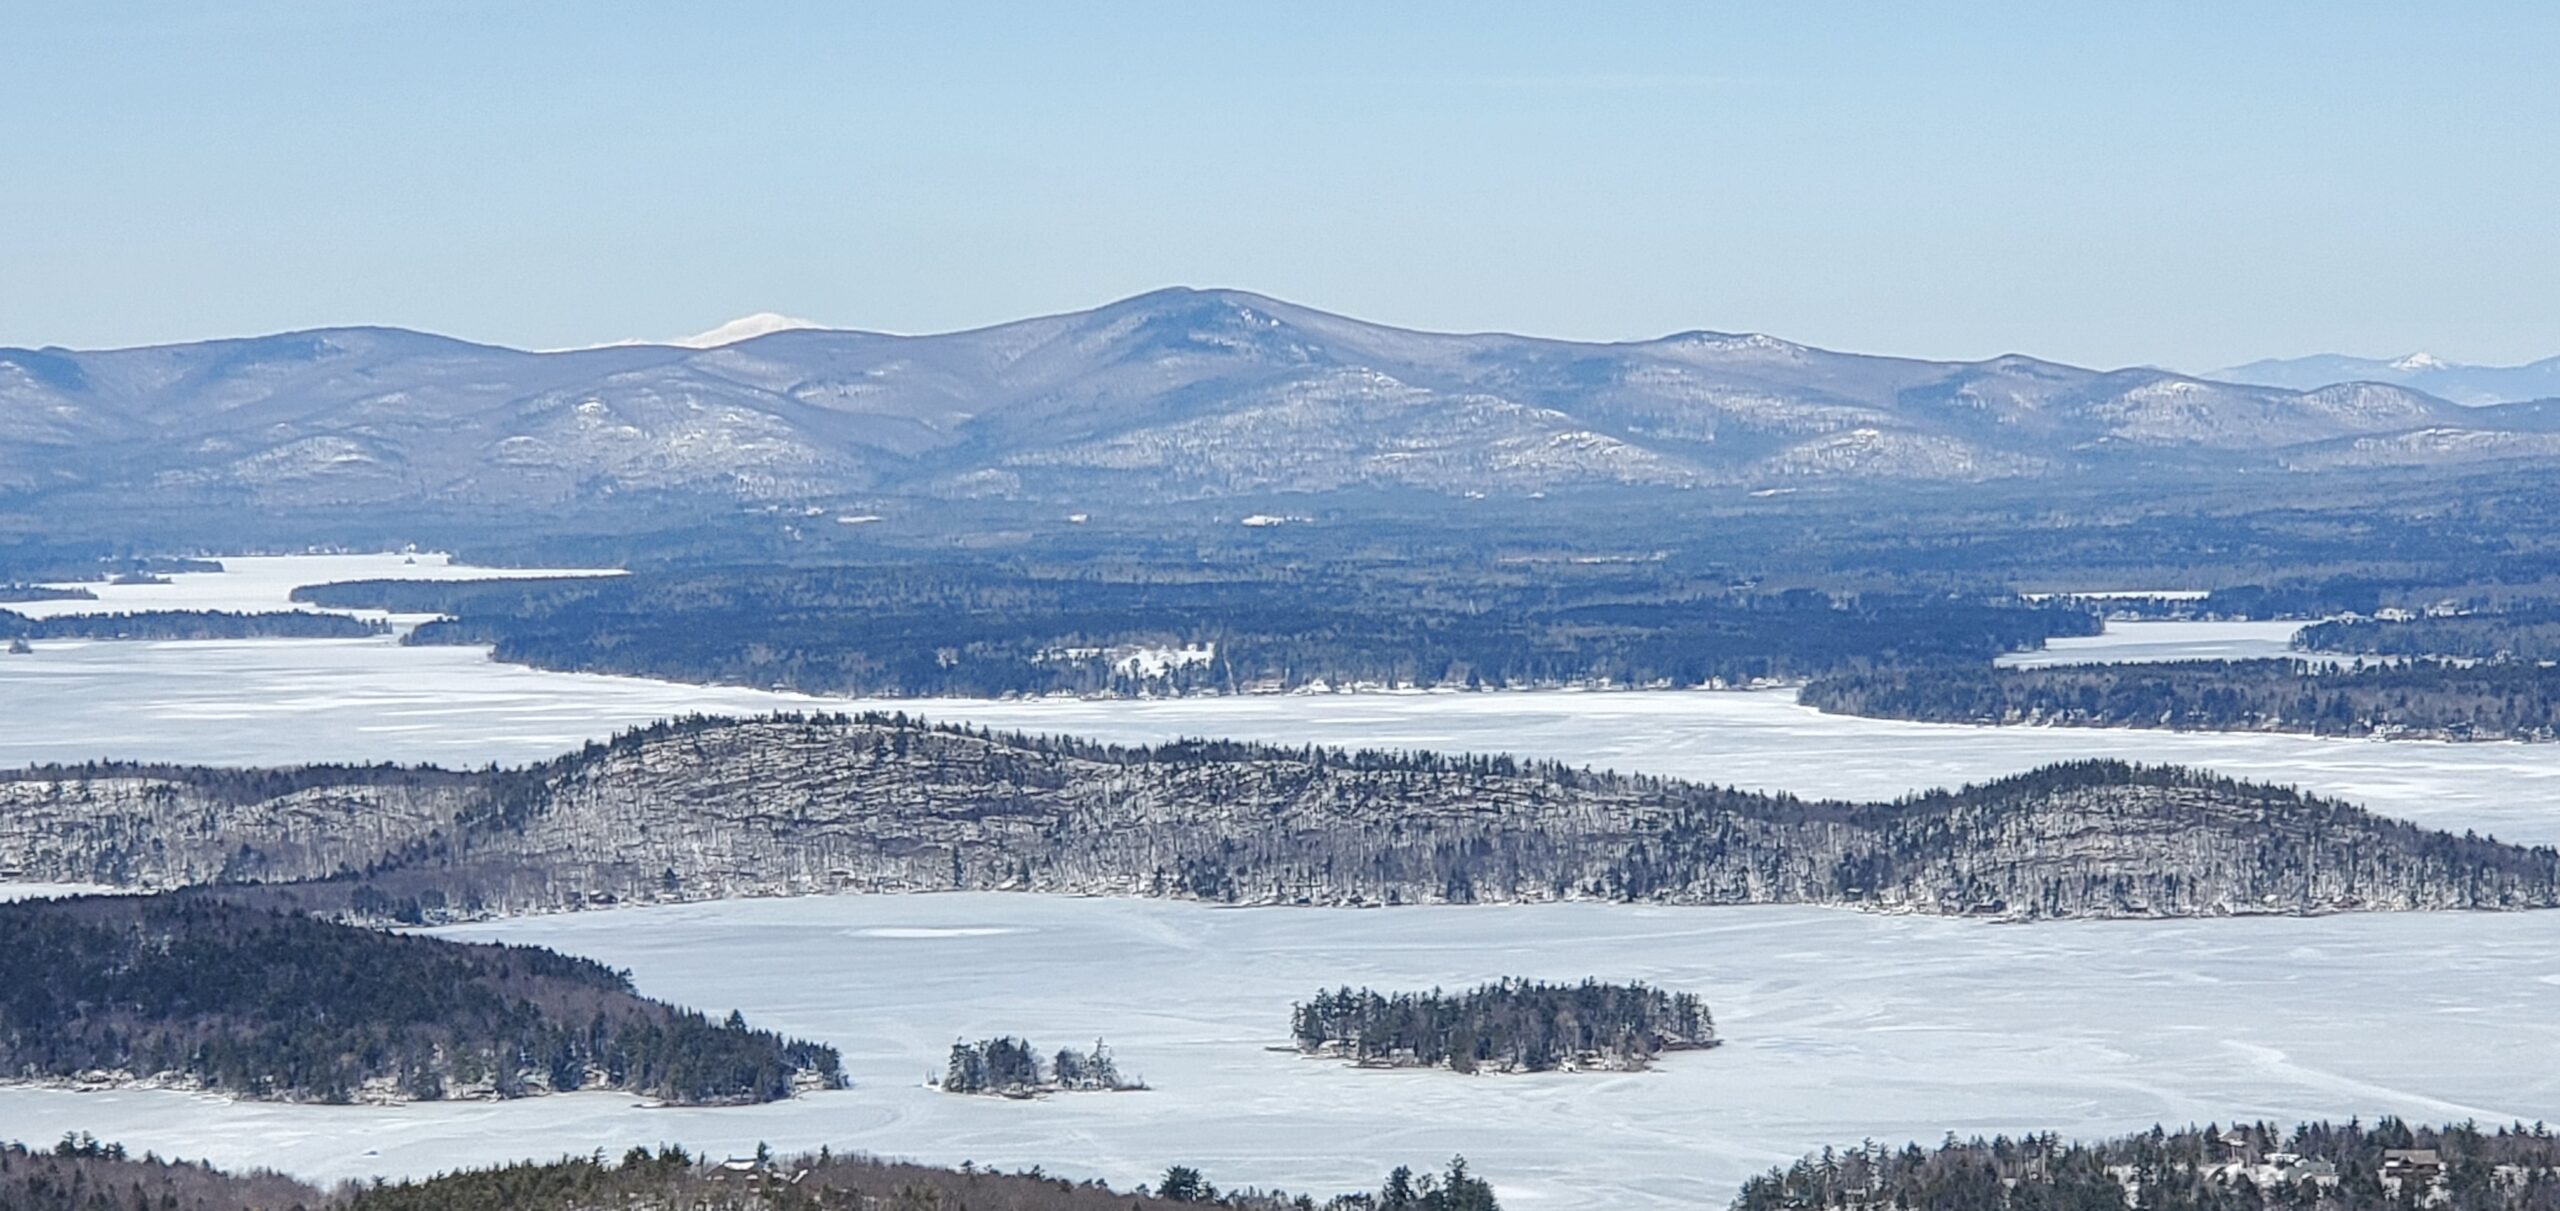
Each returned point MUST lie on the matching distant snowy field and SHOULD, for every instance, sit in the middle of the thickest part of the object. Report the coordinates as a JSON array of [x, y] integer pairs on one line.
[[2129, 642], [260, 583], [1842, 1027]]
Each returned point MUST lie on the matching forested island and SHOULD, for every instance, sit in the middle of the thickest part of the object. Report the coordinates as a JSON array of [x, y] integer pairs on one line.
[[81, 1173], [191, 991], [191, 624], [699, 809], [2389, 1166], [1506, 1026], [981, 628], [1011, 1067], [2454, 700]]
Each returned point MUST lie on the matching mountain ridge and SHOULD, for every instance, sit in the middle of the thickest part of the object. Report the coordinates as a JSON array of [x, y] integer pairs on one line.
[[1173, 395], [2459, 382]]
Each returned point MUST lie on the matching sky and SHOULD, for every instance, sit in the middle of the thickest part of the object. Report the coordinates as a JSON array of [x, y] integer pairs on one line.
[[2190, 185]]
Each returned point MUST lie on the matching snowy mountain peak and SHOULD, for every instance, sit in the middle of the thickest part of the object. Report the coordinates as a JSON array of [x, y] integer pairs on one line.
[[2421, 361], [743, 328]]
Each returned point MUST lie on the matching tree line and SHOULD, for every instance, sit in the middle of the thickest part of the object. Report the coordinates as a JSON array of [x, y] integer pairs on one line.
[[2529, 633], [991, 629], [191, 624], [2502, 700]]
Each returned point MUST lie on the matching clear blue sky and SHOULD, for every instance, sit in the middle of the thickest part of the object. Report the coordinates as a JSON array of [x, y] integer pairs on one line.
[[2189, 185]]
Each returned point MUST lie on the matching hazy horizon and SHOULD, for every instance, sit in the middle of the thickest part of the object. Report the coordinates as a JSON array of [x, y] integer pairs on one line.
[[2179, 185]]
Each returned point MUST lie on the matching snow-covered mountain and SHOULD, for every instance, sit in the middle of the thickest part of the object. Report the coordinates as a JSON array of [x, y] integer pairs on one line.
[[1176, 394], [743, 328], [2463, 384]]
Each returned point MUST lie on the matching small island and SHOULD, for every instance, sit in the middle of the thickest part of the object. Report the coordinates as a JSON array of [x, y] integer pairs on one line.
[[1506, 1026], [186, 991], [1011, 1067]]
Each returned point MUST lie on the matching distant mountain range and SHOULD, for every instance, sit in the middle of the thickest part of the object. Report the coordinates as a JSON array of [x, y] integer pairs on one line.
[[2424, 372], [1174, 395]]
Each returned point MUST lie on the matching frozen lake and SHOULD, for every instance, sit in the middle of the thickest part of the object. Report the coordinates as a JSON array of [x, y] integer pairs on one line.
[[2135, 640], [257, 583], [257, 702], [1841, 1027]]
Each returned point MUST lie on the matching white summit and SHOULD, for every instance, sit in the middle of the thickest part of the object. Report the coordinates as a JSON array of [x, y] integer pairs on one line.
[[745, 327]]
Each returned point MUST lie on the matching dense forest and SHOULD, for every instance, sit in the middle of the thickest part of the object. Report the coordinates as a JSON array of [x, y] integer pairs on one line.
[[1011, 1067], [271, 1005], [81, 1173], [699, 808], [1507, 1026], [986, 629], [2389, 1166], [2499, 700], [190, 624]]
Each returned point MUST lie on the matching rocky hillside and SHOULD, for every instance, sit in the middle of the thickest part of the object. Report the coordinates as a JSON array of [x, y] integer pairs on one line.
[[1175, 395], [707, 809]]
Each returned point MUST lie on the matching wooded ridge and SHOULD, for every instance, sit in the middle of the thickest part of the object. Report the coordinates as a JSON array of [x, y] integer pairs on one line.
[[702, 809]]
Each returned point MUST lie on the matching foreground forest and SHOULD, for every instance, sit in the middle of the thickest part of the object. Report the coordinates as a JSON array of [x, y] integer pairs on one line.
[[266, 1005], [83, 1174], [2245, 1167], [2389, 1165], [703, 809]]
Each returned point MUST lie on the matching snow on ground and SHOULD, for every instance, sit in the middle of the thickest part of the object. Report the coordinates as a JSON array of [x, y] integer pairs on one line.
[[2136, 642], [262, 583], [291, 701], [1841, 1027], [57, 891]]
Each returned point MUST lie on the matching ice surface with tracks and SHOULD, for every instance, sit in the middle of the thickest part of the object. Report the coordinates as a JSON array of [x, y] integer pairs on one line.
[[1841, 1026]]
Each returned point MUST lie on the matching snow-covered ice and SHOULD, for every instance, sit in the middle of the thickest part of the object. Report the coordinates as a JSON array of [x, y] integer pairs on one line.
[[2136, 641], [262, 583], [1841, 1026]]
